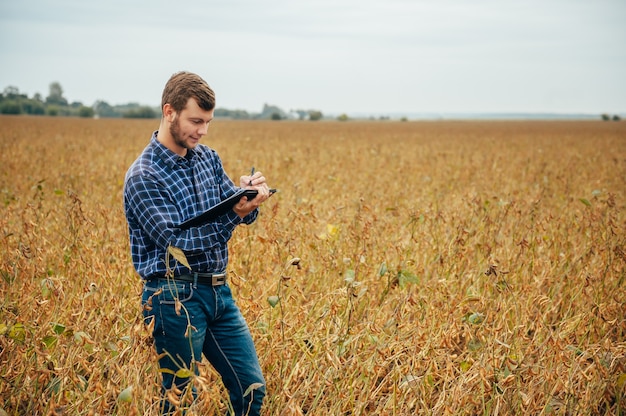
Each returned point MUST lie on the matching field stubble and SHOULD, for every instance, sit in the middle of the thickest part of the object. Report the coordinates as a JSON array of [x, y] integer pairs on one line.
[[410, 268]]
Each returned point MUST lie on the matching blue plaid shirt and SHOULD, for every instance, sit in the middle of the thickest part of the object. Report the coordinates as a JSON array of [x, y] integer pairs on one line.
[[162, 190]]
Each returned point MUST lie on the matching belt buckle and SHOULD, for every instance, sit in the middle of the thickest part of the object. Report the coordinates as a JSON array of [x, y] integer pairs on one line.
[[218, 279]]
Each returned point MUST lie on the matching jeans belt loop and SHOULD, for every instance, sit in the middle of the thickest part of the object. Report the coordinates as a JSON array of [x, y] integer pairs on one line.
[[195, 280]]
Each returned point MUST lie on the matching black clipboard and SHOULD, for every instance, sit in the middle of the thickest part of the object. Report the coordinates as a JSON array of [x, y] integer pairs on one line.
[[219, 209]]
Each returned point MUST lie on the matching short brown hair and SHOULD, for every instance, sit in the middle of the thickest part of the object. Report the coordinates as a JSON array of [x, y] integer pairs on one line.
[[185, 85]]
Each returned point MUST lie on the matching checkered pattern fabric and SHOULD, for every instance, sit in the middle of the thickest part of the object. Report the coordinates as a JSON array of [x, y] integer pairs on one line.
[[161, 190]]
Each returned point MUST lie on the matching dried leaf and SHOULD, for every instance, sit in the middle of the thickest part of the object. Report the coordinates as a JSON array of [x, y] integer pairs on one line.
[[252, 387], [294, 262], [179, 255]]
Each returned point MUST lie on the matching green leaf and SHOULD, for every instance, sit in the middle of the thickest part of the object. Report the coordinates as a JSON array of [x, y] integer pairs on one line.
[[46, 287], [262, 326], [405, 277], [273, 300], [585, 201], [179, 255], [575, 349], [81, 337], [112, 347], [465, 366], [54, 385], [476, 318], [126, 395], [474, 344], [382, 270], [83, 382], [341, 349], [58, 328], [166, 371], [184, 373], [349, 276], [621, 381], [409, 380], [50, 341], [17, 333]]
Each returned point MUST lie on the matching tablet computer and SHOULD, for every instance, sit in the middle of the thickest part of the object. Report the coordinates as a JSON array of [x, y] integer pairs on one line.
[[219, 209]]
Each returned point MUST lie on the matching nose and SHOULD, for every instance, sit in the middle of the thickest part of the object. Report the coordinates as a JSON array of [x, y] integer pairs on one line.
[[204, 128]]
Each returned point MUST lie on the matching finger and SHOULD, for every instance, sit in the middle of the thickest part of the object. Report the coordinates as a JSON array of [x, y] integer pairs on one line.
[[252, 177], [245, 181], [260, 180]]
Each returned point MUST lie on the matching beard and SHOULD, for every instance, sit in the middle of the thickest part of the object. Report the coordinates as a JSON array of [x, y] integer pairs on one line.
[[178, 136]]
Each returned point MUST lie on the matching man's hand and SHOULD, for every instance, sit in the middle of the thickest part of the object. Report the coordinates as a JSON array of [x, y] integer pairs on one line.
[[254, 181]]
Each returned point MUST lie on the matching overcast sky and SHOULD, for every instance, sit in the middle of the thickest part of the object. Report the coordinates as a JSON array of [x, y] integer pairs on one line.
[[332, 55]]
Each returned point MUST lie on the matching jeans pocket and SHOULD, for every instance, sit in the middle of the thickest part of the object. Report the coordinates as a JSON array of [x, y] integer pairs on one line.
[[167, 292]]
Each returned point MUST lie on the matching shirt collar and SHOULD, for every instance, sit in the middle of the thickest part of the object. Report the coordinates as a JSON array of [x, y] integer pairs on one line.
[[172, 159]]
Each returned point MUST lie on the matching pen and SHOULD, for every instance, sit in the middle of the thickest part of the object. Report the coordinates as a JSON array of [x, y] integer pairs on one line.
[[272, 190]]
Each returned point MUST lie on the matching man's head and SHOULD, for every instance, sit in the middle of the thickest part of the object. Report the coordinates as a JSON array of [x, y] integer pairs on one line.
[[188, 105], [184, 85]]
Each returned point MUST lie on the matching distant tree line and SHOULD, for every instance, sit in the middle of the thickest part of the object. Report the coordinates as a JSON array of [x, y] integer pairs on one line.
[[607, 117], [55, 104], [270, 112]]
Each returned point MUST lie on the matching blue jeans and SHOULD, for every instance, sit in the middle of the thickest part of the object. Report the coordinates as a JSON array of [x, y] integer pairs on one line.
[[218, 330]]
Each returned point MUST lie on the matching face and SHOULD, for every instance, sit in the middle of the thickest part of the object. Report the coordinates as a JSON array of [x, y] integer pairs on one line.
[[188, 126]]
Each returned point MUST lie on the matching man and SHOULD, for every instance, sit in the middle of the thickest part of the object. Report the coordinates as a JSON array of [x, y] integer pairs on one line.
[[191, 310]]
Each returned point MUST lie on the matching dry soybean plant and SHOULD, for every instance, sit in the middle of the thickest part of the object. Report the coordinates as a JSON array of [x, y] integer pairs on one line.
[[403, 268]]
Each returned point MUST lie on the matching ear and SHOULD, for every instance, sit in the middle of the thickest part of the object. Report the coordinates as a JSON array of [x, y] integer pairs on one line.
[[168, 113]]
